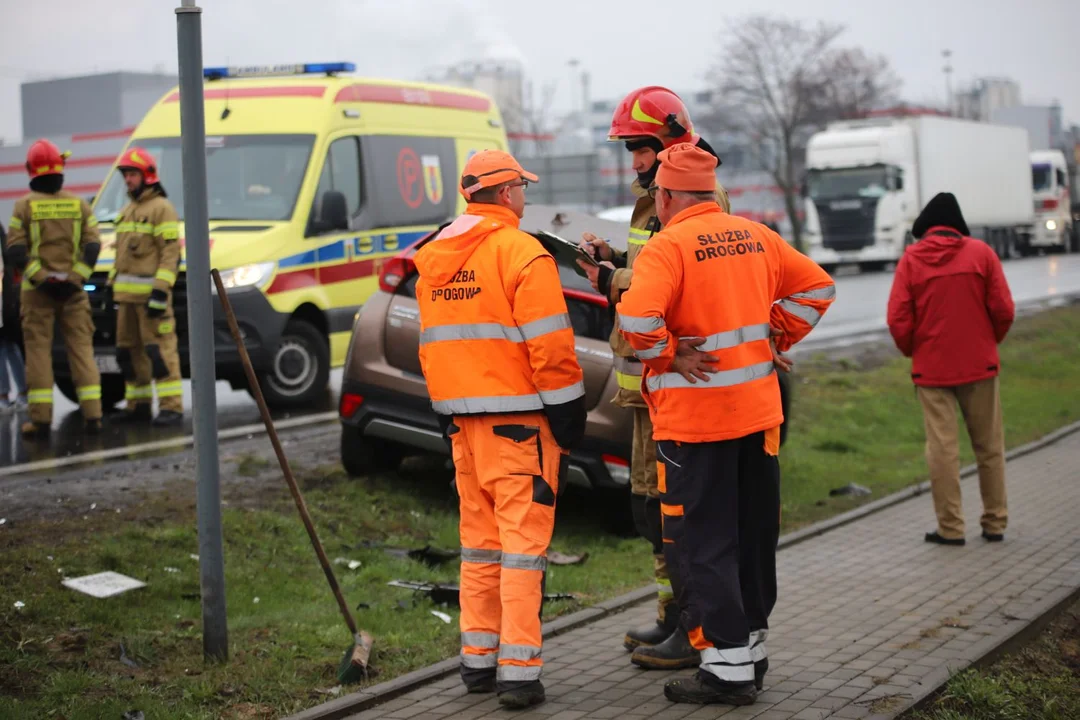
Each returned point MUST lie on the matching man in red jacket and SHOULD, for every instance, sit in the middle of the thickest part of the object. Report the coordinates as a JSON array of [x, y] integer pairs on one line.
[[949, 308]]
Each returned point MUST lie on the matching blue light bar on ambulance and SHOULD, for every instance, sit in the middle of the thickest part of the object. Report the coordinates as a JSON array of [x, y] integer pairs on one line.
[[217, 73]]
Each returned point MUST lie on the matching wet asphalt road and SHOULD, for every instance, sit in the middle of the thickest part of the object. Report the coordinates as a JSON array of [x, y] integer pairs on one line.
[[859, 308]]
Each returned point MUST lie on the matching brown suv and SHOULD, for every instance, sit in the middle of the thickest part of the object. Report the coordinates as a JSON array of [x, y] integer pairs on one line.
[[385, 410]]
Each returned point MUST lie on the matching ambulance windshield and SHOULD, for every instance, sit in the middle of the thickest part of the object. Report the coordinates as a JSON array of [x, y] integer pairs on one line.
[[249, 177]]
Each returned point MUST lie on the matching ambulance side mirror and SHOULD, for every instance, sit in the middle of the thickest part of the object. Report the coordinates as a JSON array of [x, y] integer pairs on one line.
[[334, 212]]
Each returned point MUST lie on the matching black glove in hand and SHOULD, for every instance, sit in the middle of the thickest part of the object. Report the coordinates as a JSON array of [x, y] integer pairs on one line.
[[57, 289], [158, 303]]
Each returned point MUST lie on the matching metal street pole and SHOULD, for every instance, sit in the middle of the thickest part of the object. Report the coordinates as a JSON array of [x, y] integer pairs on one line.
[[201, 330]]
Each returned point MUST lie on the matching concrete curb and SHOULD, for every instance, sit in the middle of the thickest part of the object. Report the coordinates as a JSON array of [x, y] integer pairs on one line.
[[384, 692], [1019, 632]]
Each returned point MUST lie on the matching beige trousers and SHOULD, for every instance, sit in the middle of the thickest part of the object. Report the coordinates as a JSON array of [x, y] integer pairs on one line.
[[980, 404]]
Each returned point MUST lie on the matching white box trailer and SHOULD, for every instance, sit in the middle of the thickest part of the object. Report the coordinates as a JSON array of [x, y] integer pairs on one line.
[[867, 181]]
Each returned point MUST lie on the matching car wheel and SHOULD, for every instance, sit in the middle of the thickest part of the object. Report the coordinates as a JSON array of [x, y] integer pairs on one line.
[[362, 456], [299, 367], [112, 390]]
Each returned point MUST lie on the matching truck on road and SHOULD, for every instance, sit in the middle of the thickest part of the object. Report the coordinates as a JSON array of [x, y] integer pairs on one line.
[[867, 180], [1053, 229]]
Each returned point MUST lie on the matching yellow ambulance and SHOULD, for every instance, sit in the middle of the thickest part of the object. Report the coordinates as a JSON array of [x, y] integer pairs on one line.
[[315, 178]]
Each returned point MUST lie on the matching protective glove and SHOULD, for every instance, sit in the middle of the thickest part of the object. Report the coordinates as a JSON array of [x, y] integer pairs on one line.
[[56, 288], [158, 303]]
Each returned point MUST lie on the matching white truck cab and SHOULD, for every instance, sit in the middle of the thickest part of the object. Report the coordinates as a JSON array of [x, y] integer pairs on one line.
[[1053, 229]]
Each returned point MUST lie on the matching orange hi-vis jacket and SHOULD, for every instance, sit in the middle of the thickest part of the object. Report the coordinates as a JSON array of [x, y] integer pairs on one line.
[[727, 279], [495, 332]]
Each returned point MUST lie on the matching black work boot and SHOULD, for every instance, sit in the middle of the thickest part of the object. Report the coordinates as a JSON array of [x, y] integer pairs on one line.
[[674, 653], [92, 427], [139, 414], [478, 681], [36, 429], [760, 668], [656, 633], [522, 696], [700, 690], [168, 418]]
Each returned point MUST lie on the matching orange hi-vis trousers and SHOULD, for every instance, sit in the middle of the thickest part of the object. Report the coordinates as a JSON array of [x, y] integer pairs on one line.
[[508, 469]]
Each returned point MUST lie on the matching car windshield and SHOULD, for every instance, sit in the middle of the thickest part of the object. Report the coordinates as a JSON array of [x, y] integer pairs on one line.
[[1042, 178], [868, 182], [249, 177]]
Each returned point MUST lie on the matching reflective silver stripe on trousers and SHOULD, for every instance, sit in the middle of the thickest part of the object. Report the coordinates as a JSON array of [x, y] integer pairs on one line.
[[479, 555], [496, 331], [518, 652], [808, 314], [493, 404], [135, 279], [627, 366], [629, 323], [563, 395], [827, 292], [757, 645], [654, 352], [524, 562], [724, 378], [521, 673], [480, 639], [729, 665], [732, 338], [479, 662]]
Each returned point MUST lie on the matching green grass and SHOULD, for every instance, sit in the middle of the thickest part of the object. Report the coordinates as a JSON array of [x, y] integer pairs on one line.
[[1039, 682], [60, 654]]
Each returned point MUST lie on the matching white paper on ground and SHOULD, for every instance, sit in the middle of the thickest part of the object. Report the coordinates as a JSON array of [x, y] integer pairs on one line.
[[103, 584]]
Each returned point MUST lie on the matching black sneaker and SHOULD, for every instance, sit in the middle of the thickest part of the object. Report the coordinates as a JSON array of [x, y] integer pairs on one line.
[[531, 693], [933, 537], [993, 537], [760, 668], [654, 634], [168, 418], [699, 691]]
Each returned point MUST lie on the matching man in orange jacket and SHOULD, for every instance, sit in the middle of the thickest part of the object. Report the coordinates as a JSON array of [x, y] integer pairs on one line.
[[497, 350], [708, 292]]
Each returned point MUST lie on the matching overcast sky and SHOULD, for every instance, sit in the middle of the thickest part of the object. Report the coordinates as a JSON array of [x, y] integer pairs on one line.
[[622, 43]]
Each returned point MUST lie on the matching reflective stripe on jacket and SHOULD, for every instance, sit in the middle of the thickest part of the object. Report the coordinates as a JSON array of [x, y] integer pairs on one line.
[[726, 279], [147, 248], [495, 332], [643, 223], [55, 228]]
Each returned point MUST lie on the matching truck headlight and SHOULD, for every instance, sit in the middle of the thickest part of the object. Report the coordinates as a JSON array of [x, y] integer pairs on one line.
[[1051, 225], [247, 275]]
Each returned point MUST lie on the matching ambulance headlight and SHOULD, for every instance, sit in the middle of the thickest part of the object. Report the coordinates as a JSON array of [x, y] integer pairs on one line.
[[1051, 225], [247, 275]]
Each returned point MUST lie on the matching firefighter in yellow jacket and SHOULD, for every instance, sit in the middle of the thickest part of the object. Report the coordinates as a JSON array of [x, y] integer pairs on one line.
[[648, 120], [54, 243], [147, 258]]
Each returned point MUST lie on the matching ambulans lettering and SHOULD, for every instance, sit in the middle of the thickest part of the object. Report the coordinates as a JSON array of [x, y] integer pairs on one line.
[[727, 243]]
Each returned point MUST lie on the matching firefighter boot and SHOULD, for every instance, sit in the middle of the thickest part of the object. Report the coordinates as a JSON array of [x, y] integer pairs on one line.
[[656, 633], [530, 693], [674, 653], [34, 429], [139, 414], [169, 418]]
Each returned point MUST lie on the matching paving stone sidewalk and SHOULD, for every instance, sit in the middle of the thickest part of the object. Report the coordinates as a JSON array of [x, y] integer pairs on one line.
[[869, 615]]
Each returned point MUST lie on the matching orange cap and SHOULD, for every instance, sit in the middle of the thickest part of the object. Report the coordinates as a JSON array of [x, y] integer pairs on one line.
[[688, 168], [491, 167]]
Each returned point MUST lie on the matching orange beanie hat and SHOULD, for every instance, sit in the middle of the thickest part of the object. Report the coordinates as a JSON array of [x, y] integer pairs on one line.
[[687, 167]]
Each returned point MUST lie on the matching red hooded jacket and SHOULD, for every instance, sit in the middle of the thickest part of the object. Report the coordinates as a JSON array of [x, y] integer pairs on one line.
[[949, 308]]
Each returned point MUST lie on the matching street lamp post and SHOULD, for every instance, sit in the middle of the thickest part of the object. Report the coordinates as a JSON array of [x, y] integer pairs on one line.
[[201, 330]]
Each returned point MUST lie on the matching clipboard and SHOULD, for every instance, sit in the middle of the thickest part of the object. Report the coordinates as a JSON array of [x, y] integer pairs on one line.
[[566, 253]]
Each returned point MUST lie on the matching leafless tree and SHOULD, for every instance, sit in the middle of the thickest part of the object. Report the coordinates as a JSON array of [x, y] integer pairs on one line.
[[781, 79]]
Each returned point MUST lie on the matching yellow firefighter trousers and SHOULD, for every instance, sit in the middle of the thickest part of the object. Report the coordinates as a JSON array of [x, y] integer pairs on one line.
[[643, 481], [40, 313], [151, 343]]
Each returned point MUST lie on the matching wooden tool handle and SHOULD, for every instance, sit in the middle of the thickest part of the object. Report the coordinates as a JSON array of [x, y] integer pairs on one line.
[[256, 391]]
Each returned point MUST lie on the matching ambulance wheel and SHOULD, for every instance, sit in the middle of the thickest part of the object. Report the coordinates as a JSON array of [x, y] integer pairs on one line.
[[112, 390], [299, 368], [362, 456]]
